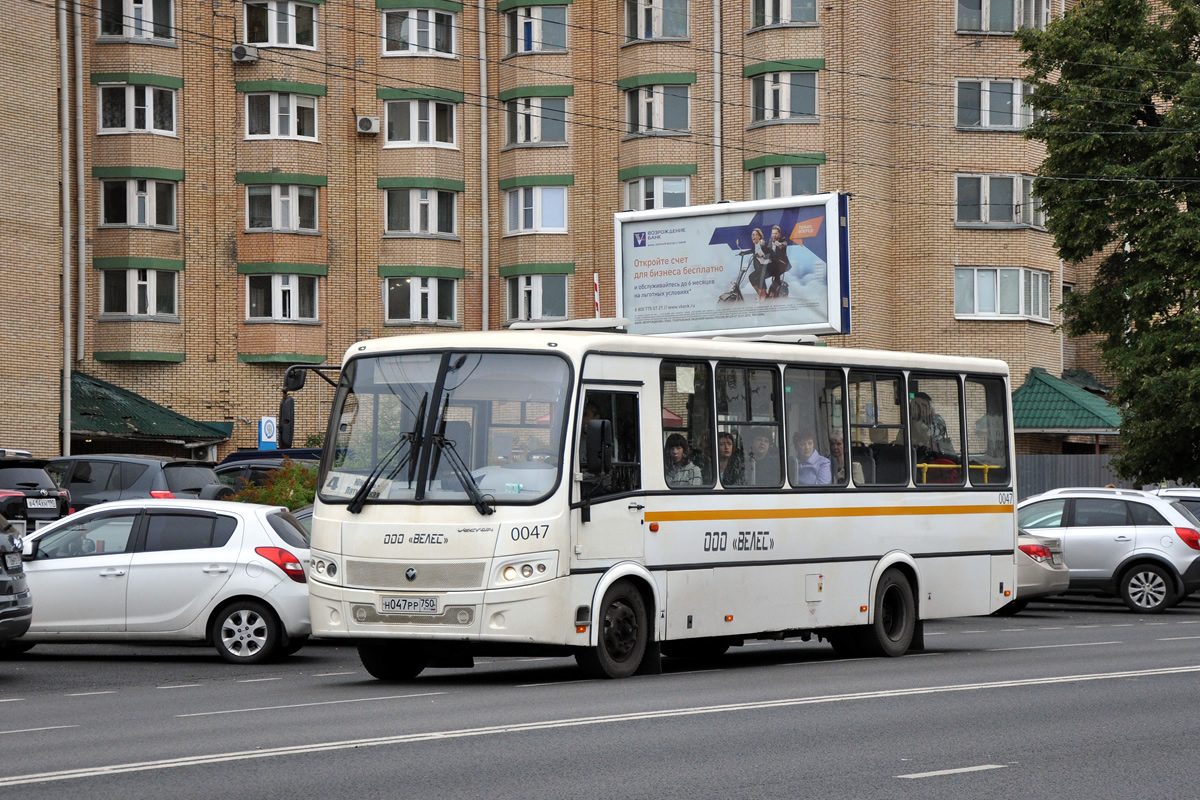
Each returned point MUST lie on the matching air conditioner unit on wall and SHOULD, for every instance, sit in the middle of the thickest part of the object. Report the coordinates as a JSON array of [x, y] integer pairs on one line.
[[368, 125], [245, 54]]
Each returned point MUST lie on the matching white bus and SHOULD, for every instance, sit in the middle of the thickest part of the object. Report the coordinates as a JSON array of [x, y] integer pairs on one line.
[[622, 498]]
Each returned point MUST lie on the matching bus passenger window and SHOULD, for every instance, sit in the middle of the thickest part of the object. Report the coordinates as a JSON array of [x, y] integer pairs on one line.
[[815, 427], [748, 409], [687, 425], [934, 415], [987, 432], [878, 439]]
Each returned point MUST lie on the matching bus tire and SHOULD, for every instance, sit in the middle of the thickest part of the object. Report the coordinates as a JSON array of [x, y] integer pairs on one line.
[[895, 616], [623, 634], [392, 661]]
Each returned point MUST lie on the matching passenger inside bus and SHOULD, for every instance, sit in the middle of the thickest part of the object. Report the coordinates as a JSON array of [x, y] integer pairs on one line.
[[837, 459], [731, 464], [807, 467], [680, 471], [764, 467]]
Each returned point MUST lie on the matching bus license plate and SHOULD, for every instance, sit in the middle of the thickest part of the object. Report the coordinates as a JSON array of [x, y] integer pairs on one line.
[[408, 605], [41, 502]]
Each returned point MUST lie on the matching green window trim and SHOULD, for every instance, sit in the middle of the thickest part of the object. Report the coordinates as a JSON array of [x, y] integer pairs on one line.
[[418, 271], [150, 173], [436, 5], [282, 178], [783, 65], [293, 87], [535, 91], [509, 5], [442, 184], [135, 262], [281, 268], [536, 180], [784, 160], [280, 358], [515, 270], [138, 79], [656, 171], [656, 79], [138, 355], [445, 95]]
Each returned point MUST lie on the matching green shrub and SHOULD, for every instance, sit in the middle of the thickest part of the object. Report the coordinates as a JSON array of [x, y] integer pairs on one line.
[[293, 485]]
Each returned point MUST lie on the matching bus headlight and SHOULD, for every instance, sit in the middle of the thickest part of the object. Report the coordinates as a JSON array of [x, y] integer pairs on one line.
[[521, 570], [323, 568]]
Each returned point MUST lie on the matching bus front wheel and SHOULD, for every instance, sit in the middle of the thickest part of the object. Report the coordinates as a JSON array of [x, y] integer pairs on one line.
[[895, 616], [623, 634], [392, 661]]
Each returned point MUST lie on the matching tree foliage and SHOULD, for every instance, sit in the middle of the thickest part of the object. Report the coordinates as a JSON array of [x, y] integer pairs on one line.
[[1117, 85], [293, 485]]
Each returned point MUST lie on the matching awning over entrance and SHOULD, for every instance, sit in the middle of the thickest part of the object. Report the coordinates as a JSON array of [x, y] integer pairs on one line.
[[101, 410], [1046, 404]]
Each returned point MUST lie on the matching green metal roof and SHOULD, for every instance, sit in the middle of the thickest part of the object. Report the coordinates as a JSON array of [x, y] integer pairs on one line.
[[1047, 404], [102, 410]]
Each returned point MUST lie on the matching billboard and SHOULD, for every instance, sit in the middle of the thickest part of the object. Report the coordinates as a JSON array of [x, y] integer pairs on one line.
[[764, 266]]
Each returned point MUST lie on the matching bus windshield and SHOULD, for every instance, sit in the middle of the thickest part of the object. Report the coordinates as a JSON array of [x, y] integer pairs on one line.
[[447, 427]]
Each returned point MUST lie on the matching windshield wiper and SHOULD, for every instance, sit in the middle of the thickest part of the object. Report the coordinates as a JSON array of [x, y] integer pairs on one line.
[[413, 440], [457, 465]]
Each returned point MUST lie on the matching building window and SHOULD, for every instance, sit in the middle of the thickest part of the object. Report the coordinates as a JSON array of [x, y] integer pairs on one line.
[[784, 95], [655, 19], [421, 123], [281, 208], [1035, 14], [129, 109], [535, 297], [136, 19], [991, 104], [644, 194], [536, 120], [987, 16], [139, 292], [420, 299], [281, 297], [782, 12], [1002, 292], [653, 109], [418, 32], [536, 209], [278, 115], [281, 23], [537, 29], [772, 182], [138, 203], [420, 212], [1004, 200]]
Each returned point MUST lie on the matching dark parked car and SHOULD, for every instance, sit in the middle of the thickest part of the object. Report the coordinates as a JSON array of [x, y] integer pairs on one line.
[[29, 498], [254, 467], [103, 478], [16, 610]]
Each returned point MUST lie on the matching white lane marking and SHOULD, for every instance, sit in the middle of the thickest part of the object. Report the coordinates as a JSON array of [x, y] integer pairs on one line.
[[35, 730], [1188, 621], [1080, 627], [575, 722], [180, 686], [1011, 630], [974, 631], [1051, 628], [979, 768], [936, 633], [1049, 646], [11, 699], [307, 705], [1121, 625], [258, 680], [332, 674], [1178, 638], [90, 694]]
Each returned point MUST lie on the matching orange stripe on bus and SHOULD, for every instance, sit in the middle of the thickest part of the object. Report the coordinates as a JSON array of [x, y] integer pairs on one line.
[[808, 513]]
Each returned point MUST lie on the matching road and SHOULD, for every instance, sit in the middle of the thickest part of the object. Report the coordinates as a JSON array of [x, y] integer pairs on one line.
[[1076, 698]]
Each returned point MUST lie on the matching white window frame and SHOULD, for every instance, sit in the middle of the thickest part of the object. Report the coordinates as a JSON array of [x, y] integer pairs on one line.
[[137, 20], [643, 194], [1034, 13], [423, 207], [526, 203], [285, 108], [530, 19], [644, 20], [426, 20], [645, 110], [1011, 292], [285, 207], [988, 99], [985, 15], [777, 12], [775, 89], [523, 120], [141, 204], [281, 13], [424, 300], [151, 97], [421, 114], [774, 182], [531, 293], [286, 301], [1026, 210], [135, 280]]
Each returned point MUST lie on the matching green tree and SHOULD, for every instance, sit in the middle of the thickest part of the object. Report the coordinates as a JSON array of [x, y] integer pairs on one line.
[[294, 484], [1117, 85]]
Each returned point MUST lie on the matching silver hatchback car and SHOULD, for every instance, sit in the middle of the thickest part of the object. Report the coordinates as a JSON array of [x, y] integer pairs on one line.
[[1140, 547]]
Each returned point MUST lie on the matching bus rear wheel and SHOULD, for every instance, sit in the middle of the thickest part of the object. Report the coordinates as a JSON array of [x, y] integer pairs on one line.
[[392, 661], [895, 616], [623, 634]]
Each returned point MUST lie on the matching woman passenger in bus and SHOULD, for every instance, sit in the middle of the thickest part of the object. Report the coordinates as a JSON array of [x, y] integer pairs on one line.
[[808, 467], [680, 471], [730, 463]]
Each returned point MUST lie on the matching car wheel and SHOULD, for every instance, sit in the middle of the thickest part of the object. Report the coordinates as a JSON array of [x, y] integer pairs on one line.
[[1147, 588], [623, 634], [245, 632], [15, 647], [392, 661], [1013, 608]]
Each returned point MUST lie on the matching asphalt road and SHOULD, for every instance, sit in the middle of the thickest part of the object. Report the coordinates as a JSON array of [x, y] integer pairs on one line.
[[1070, 699]]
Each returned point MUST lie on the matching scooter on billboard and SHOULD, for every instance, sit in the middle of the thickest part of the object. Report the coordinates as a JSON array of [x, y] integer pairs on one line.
[[778, 289]]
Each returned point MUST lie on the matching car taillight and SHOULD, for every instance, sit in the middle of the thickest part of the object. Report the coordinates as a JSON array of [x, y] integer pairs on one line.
[[10, 493], [1190, 536], [287, 562], [161, 494], [1038, 552]]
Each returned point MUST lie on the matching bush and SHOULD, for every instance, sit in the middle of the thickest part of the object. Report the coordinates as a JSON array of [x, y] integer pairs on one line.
[[293, 485]]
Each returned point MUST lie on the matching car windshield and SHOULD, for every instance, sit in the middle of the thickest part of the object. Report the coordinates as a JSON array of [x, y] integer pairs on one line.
[[455, 427], [188, 477]]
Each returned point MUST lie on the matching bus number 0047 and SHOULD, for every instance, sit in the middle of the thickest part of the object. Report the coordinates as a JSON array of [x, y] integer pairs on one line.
[[523, 532]]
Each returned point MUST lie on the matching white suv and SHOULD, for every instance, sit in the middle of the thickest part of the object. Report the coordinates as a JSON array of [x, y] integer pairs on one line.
[[1136, 545]]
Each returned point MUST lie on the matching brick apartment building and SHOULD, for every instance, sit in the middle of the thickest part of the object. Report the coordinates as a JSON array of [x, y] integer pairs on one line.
[[266, 182]]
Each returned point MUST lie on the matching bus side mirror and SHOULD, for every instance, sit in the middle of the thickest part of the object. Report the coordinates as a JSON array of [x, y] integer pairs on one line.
[[293, 379], [598, 447]]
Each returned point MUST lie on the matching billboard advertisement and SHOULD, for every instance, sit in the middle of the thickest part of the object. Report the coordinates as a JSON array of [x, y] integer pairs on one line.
[[764, 266]]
